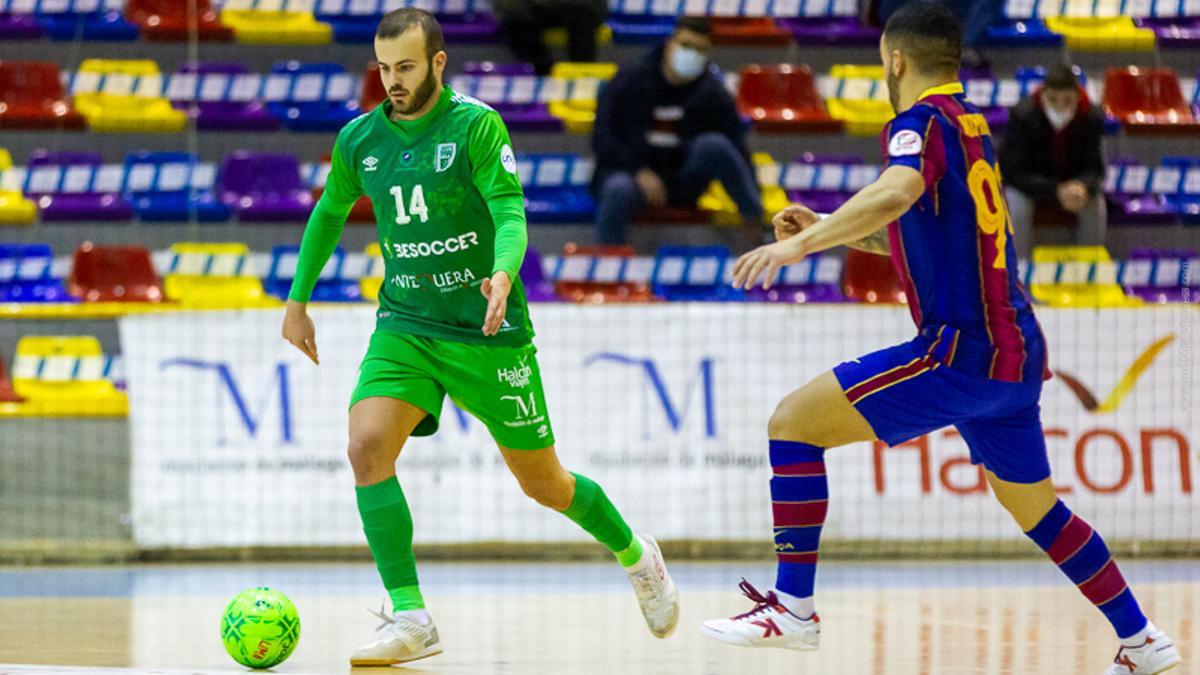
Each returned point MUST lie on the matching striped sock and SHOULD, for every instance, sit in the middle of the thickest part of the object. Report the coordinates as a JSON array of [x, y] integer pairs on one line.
[[799, 500], [1081, 554]]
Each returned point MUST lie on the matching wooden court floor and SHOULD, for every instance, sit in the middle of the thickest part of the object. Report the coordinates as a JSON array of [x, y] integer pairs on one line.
[[563, 619]]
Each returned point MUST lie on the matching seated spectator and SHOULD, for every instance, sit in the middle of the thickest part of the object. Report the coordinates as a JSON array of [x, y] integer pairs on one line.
[[524, 22], [665, 128], [1051, 160]]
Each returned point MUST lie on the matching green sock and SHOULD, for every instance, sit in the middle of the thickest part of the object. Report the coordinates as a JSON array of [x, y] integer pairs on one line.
[[591, 510], [389, 529]]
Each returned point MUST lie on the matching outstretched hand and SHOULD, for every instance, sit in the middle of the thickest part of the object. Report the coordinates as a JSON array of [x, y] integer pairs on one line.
[[765, 261]]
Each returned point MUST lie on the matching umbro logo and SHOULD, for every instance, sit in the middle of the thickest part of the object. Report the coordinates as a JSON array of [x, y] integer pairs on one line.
[[369, 164]]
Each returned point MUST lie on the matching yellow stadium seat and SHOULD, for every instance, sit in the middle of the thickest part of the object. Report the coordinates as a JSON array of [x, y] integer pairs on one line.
[[370, 284], [64, 376], [15, 209], [276, 27], [862, 104], [121, 107], [214, 276], [1077, 276], [578, 112], [1102, 34]]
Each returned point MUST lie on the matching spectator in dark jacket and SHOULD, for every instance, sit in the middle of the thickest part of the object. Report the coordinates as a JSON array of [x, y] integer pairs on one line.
[[665, 128], [524, 22], [1051, 158]]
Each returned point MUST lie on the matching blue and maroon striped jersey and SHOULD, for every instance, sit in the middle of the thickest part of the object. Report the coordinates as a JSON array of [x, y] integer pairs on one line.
[[953, 249]]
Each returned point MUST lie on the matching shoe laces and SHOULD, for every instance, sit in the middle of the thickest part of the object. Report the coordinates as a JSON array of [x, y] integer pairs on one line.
[[761, 602], [392, 626]]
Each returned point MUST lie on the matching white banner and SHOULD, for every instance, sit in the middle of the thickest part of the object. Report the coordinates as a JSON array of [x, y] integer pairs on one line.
[[238, 440]]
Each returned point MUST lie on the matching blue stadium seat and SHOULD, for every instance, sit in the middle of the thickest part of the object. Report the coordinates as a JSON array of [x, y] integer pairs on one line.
[[1187, 199], [520, 99], [693, 274], [172, 187], [221, 97], [1022, 26], [311, 96], [557, 188], [331, 286], [27, 275], [86, 19]]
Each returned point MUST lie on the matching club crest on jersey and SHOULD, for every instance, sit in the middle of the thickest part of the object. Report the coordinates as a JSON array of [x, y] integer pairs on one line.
[[370, 164], [444, 158], [906, 142]]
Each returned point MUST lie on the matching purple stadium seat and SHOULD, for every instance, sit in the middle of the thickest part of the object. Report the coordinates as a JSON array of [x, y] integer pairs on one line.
[[832, 30], [493, 68], [262, 187], [20, 27], [476, 28], [819, 199], [225, 115], [996, 115], [1133, 199], [537, 289], [61, 198], [1155, 286], [1178, 33]]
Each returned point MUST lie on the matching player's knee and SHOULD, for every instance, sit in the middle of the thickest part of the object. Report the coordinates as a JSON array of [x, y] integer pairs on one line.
[[367, 454], [784, 424]]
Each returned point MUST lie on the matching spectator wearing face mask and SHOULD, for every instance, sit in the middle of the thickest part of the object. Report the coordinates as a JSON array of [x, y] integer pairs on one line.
[[665, 128], [1051, 159]]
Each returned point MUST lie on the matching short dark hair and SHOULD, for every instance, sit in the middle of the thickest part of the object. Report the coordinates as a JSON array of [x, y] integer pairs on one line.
[[396, 23], [695, 24], [929, 35], [1061, 77]]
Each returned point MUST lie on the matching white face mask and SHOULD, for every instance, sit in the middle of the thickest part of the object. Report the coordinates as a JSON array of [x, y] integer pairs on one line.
[[1058, 120], [688, 63]]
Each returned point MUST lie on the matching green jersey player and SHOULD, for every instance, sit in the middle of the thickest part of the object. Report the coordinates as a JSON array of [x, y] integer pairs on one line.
[[440, 171]]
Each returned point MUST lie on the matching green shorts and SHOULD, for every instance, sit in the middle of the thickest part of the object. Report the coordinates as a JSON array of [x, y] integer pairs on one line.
[[499, 385]]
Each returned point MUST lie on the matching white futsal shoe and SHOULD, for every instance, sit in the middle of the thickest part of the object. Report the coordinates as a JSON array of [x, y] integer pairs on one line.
[[656, 591], [399, 639], [1156, 655], [769, 624]]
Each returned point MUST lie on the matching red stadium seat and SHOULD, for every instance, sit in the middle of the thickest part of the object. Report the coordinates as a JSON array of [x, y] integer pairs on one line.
[[783, 99], [761, 31], [114, 274], [592, 291], [871, 278], [7, 393], [33, 97], [373, 92], [168, 20], [1148, 101]]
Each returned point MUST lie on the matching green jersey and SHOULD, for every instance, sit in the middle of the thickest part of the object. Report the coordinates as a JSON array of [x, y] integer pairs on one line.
[[448, 207]]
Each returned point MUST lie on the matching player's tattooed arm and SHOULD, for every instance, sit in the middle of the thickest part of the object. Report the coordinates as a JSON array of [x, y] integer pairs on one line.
[[874, 243]]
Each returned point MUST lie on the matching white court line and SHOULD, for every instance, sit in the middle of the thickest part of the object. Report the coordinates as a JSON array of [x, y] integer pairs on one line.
[[12, 668]]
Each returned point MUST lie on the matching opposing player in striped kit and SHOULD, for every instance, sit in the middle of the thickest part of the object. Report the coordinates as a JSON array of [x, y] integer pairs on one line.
[[440, 171], [977, 363]]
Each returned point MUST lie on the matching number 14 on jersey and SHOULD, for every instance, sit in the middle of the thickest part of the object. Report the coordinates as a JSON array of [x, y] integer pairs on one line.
[[416, 205]]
